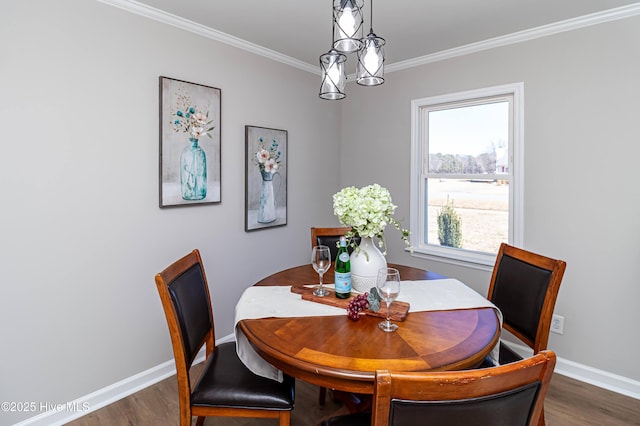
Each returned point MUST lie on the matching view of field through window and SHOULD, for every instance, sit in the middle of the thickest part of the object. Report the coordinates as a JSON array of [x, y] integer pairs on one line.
[[483, 208], [467, 189]]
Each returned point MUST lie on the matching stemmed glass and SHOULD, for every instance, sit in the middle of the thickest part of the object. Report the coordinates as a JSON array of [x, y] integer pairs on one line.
[[321, 261], [388, 284]]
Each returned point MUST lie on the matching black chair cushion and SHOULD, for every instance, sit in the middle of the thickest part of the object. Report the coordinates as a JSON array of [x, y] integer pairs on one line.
[[511, 408], [506, 356], [357, 419], [226, 382], [190, 300], [332, 241], [519, 293]]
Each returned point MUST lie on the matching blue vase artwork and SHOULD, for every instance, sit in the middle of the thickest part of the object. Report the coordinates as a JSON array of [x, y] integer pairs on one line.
[[268, 160], [193, 172], [193, 160]]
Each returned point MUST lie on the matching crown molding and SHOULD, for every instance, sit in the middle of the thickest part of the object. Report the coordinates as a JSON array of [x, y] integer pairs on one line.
[[184, 24], [518, 37], [521, 36]]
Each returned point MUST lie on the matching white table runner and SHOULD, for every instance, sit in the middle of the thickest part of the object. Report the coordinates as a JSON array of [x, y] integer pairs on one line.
[[280, 302]]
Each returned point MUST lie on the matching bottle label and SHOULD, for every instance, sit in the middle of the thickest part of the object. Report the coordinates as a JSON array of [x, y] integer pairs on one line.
[[344, 257], [343, 282]]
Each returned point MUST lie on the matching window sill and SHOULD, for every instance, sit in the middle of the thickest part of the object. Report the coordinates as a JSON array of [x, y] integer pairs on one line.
[[467, 259]]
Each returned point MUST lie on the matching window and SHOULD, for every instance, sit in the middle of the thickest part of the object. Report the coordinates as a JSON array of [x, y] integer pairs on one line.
[[466, 174]]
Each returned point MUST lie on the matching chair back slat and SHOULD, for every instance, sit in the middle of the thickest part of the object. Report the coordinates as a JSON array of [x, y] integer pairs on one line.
[[330, 237], [510, 408], [524, 286], [519, 292], [189, 298], [184, 293]]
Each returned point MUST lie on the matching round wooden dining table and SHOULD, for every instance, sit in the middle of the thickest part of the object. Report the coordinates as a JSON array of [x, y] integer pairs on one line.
[[338, 353]]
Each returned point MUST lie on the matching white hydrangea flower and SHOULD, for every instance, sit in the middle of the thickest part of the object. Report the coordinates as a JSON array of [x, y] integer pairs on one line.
[[367, 211]]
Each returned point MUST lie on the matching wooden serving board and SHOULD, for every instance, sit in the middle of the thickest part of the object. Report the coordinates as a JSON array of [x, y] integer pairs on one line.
[[399, 310]]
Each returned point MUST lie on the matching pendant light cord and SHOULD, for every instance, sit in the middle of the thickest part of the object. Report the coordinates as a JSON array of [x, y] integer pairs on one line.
[[333, 23]]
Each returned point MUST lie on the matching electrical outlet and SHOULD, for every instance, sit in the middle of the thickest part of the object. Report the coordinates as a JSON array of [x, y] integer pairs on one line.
[[557, 324]]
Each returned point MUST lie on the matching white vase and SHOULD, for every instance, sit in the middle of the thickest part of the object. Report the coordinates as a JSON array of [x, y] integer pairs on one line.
[[365, 264]]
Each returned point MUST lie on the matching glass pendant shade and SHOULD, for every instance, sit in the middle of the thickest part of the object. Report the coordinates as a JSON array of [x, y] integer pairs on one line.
[[370, 67], [334, 76], [347, 25]]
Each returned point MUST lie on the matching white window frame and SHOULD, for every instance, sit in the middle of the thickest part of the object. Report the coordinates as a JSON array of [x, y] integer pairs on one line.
[[419, 140]]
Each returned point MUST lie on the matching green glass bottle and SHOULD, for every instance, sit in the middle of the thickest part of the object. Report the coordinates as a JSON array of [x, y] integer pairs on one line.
[[343, 271]]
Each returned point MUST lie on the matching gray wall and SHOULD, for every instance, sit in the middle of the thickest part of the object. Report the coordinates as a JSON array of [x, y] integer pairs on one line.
[[81, 234], [582, 144]]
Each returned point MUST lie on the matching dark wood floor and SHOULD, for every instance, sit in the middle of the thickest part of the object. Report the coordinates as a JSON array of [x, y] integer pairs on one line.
[[569, 402]]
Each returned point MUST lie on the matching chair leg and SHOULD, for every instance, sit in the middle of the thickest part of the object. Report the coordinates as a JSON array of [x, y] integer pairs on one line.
[[285, 418], [322, 396], [541, 421], [200, 421]]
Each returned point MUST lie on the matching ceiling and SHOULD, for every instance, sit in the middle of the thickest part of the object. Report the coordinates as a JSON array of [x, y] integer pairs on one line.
[[412, 28]]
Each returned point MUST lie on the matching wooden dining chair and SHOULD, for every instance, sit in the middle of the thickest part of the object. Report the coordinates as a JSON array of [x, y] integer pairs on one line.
[[225, 387], [524, 286], [507, 395], [330, 237]]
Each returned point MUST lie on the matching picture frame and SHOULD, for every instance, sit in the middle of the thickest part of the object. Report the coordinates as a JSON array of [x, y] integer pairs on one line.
[[190, 135], [266, 163]]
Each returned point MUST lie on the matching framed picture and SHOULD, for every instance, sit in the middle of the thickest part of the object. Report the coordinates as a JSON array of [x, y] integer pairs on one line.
[[265, 178], [189, 143]]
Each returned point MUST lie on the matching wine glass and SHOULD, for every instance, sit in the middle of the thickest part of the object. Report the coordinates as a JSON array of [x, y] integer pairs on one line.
[[388, 284], [321, 261]]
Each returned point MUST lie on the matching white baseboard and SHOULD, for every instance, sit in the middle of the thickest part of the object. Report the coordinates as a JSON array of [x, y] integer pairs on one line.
[[105, 396], [593, 376], [110, 394], [135, 383], [102, 397]]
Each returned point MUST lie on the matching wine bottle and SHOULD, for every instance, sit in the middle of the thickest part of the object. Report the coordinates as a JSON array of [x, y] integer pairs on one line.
[[343, 271]]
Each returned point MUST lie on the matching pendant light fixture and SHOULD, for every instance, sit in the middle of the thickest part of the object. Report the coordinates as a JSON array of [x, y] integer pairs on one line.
[[370, 68], [347, 25], [347, 38], [334, 74]]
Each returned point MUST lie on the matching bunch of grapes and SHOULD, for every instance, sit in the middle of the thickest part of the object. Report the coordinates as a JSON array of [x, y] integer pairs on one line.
[[357, 304]]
